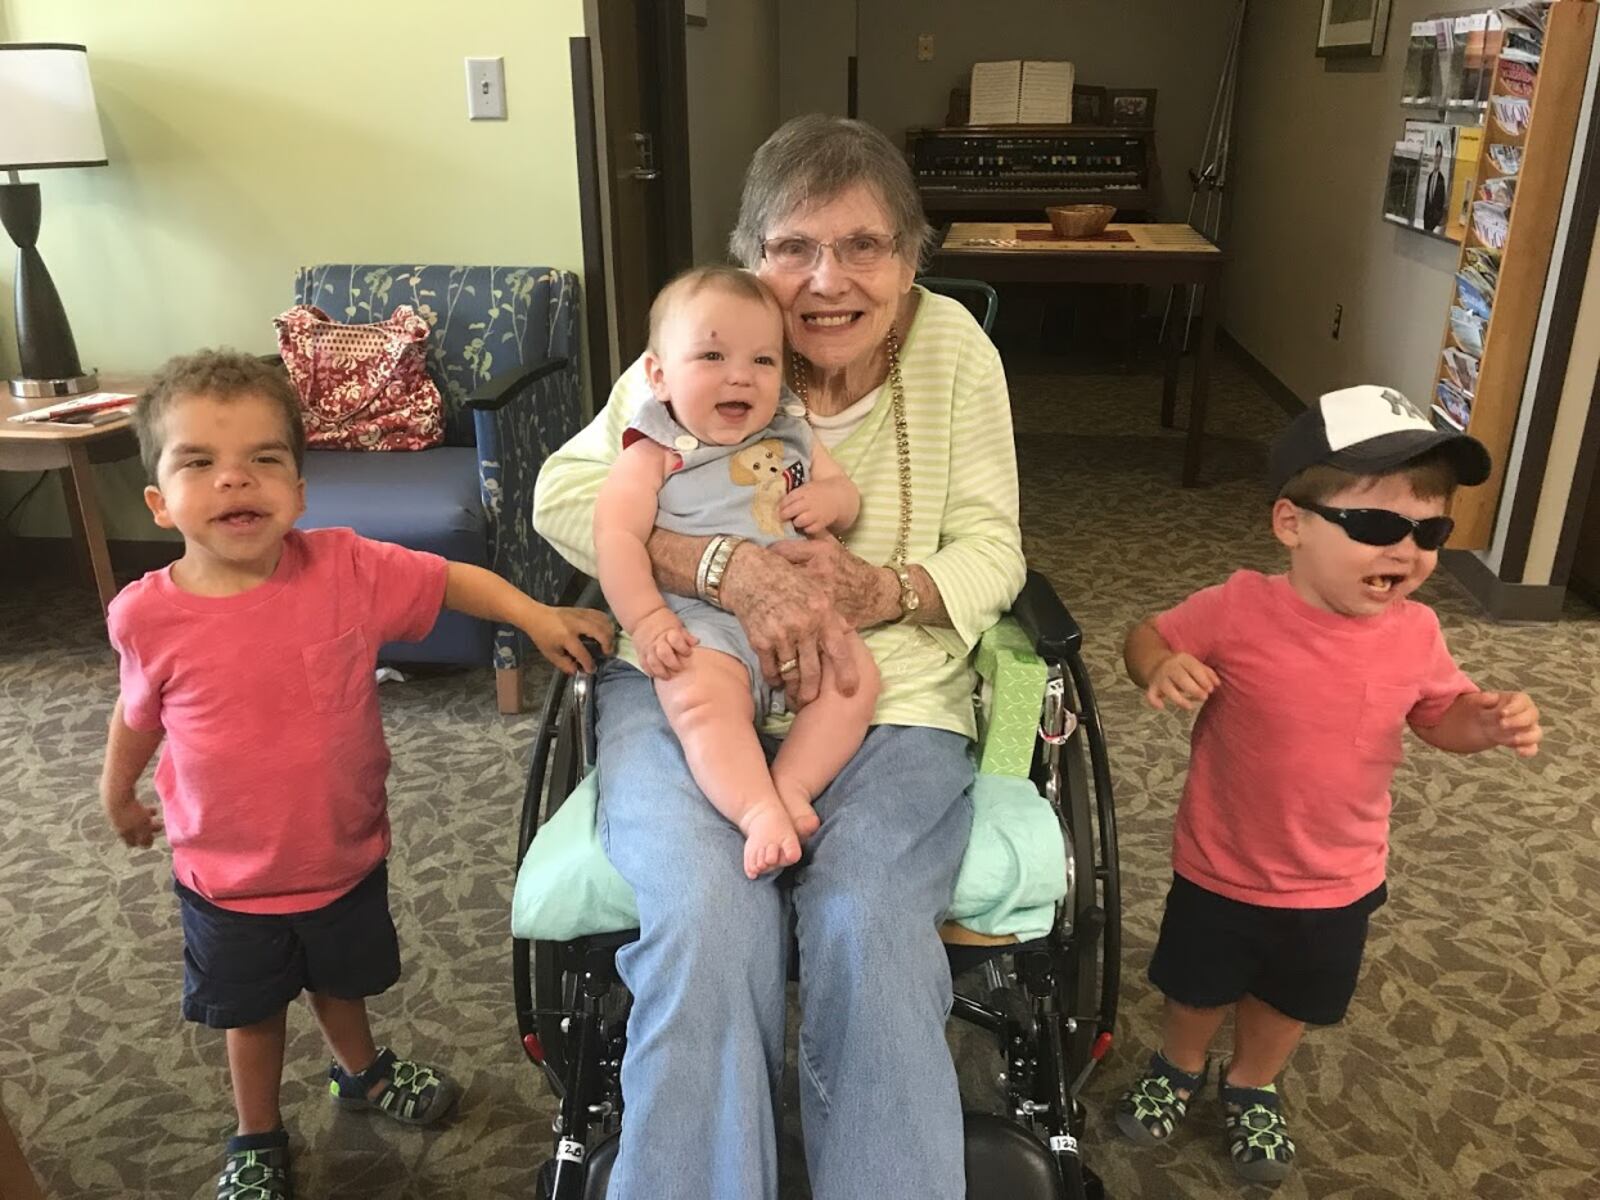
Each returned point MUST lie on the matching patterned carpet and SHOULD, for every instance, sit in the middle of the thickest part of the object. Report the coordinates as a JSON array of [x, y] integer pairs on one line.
[[1468, 1067]]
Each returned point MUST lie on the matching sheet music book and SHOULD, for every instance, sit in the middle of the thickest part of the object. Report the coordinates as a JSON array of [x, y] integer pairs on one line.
[[1017, 92]]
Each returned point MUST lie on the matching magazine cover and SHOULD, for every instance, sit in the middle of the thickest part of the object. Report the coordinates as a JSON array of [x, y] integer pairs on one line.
[[1464, 180], [1438, 142], [1400, 193]]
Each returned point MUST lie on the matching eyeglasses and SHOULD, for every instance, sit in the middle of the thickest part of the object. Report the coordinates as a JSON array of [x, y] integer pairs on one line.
[[854, 251], [1380, 527]]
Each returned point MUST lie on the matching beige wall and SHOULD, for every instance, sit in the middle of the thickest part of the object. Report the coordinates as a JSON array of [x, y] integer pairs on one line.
[[733, 106], [818, 38], [1175, 46], [248, 138], [1311, 151]]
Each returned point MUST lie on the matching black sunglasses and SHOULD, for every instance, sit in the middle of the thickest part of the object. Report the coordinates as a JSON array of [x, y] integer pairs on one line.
[[1380, 527]]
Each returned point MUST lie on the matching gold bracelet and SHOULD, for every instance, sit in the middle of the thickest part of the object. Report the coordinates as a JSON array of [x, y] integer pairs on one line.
[[719, 564]]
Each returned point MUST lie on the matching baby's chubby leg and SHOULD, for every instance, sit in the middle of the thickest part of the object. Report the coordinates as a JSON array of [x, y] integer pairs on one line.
[[709, 707], [825, 735]]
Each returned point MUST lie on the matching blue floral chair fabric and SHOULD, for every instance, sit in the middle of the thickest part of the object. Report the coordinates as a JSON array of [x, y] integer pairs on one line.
[[504, 352]]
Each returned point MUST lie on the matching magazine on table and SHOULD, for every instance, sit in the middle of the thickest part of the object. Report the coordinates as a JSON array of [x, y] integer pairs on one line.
[[81, 408]]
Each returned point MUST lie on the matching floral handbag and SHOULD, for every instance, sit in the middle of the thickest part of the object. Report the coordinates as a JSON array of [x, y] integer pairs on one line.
[[362, 387]]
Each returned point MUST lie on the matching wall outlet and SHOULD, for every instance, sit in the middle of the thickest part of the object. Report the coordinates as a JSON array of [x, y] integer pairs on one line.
[[924, 47], [1338, 319], [486, 89]]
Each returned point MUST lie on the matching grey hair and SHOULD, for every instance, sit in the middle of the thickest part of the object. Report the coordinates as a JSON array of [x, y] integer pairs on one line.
[[812, 159]]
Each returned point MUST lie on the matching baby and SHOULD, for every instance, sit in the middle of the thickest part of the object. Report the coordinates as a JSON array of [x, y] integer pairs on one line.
[[713, 453]]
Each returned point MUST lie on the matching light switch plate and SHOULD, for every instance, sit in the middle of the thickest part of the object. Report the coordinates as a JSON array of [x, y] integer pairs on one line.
[[486, 89], [925, 47]]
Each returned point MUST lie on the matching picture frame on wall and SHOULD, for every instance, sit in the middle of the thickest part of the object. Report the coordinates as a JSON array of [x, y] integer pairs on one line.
[[1353, 28], [1130, 106]]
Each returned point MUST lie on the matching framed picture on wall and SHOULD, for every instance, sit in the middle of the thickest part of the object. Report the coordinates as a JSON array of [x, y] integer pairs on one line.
[[1130, 106], [1353, 27]]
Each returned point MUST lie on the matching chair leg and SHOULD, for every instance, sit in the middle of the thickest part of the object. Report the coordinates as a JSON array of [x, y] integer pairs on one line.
[[508, 689]]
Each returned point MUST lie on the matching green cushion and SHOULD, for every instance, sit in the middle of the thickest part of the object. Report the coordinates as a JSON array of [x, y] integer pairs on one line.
[[1014, 871]]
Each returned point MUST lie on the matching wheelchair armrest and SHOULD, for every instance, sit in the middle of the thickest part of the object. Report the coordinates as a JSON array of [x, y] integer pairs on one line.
[[1046, 621], [504, 388]]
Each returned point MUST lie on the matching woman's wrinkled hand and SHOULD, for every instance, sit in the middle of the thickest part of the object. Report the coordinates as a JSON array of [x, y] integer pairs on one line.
[[859, 591], [787, 615]]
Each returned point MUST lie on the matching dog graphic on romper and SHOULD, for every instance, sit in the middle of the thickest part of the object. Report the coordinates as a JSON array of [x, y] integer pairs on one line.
[[761, 466]]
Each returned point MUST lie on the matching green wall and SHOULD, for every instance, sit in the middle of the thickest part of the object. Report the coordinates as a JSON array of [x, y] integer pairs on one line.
[[248, 138]]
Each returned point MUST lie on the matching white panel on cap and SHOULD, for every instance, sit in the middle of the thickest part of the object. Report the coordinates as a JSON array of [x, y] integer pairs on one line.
[[1356, 414]]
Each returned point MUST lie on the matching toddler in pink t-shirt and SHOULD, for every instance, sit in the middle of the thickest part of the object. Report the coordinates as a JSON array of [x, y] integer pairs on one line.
[[1305, 682], [253, 657]]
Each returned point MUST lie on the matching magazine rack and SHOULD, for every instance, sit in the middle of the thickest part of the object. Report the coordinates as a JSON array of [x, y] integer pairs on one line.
[[1501, 363]]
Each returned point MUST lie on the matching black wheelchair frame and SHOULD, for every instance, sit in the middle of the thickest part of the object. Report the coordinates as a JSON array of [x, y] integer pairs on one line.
[[1050, 1003]]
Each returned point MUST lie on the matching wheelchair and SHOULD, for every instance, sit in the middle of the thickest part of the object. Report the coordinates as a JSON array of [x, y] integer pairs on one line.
[[1049, 1003]]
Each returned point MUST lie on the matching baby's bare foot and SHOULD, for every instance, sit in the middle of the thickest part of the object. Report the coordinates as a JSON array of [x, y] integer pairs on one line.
[[798, 802], [769, 840]]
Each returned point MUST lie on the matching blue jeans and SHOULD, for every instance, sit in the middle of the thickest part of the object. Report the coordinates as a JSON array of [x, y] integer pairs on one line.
[[879, 1102]]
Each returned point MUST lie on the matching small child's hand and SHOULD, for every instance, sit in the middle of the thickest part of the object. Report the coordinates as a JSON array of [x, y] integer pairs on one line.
[[810, 508], [663, 643], [136, 824], [1183, 679], [1508, 719], [556, 631]]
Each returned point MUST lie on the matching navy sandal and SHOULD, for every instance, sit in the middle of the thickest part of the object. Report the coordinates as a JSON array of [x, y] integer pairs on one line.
[[1150, 1110], [414, 1094], [1258, 1136], [257, 1168]]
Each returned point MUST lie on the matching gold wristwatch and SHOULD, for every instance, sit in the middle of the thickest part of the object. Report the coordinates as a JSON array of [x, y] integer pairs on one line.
[[909, 600]]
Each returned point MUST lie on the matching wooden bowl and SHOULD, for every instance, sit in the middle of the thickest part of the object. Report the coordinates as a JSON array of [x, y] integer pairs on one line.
[[1079, 220]]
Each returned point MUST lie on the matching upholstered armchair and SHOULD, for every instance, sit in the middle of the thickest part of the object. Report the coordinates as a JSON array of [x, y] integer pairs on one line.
[[504, 352]]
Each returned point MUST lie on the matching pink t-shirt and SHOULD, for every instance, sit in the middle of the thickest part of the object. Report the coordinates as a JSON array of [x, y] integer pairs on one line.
[[1287, 800], [272, 773]]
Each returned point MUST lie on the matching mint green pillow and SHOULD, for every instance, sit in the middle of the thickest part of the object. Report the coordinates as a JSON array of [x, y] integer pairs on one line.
[[1014, 871]]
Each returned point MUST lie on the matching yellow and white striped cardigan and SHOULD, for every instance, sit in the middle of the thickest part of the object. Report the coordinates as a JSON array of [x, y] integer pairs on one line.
[[964, 530]]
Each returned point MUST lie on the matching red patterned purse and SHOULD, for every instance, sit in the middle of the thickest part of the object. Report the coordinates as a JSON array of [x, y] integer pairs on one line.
[[362, 387]]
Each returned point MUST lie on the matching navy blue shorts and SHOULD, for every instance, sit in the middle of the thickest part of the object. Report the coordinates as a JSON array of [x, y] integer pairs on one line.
[[1302, 961], [240, 968]]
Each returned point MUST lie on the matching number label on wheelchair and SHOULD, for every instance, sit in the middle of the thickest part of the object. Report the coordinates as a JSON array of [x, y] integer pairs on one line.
[[568, 1150]]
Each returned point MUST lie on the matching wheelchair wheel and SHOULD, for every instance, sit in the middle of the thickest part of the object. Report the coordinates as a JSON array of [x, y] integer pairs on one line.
[[1088, 917], [539, 974]]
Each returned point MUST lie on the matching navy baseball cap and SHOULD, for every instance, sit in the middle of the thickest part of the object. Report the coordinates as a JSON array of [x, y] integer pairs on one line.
[[1370, 430]]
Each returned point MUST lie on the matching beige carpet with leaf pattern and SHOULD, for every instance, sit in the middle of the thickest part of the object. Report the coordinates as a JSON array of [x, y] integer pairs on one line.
[[1470, 1065]]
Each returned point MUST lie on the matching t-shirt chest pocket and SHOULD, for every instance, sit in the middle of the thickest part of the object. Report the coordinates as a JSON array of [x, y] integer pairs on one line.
[[1383, 719], [338, 671]]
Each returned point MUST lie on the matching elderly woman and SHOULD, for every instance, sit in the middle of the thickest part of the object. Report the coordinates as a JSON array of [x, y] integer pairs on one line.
[[909, 394]]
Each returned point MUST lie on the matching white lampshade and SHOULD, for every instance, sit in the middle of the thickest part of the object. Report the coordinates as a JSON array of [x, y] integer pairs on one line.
[[47, 113]]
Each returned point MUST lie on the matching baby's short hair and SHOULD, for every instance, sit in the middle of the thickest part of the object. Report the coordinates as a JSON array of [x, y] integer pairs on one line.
[[690, 283], [222, 374], [1430, 476]]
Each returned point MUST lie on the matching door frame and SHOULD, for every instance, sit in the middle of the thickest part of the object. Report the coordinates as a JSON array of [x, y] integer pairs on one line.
[[662, 27]]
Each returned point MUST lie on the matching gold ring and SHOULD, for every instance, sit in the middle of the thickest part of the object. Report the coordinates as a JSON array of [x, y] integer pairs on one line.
[[792, 664]]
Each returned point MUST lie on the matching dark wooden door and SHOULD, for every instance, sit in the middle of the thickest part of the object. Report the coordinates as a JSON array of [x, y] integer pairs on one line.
[[646, 134]]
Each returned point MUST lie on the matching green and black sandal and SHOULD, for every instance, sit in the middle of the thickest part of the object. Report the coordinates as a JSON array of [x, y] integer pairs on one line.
[[257, 1168], [1258, 1136], [414, 1094], [1151, 1109]]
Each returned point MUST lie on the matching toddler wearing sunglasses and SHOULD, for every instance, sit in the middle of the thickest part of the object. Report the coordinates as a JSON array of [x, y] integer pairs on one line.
[[1308, 680]]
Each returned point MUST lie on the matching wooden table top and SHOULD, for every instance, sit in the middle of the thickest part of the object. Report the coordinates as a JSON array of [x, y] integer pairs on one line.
[[992, 237], [64, 431]]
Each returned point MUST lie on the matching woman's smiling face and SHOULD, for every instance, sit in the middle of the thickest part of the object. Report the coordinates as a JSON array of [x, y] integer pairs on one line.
[[832, 315]]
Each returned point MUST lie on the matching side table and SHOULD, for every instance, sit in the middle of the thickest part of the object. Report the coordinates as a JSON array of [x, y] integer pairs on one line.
[[70, 450]]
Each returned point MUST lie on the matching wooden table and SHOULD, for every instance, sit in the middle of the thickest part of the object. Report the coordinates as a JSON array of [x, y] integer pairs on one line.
[[70, 449], [1158, 255]]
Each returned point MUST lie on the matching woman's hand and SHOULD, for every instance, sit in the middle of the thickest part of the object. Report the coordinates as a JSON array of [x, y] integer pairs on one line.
[[861, 593], [788, 615]]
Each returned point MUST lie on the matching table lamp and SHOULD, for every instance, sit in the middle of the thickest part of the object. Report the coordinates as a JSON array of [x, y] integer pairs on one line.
[[47, 119]]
